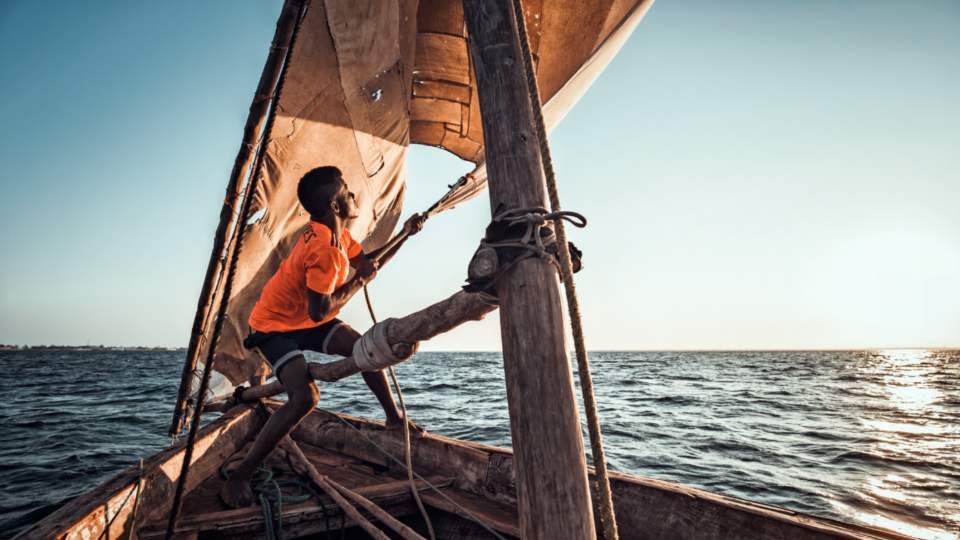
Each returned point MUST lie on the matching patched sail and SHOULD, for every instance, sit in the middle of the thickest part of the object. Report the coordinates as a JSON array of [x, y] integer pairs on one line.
[[367, 78]]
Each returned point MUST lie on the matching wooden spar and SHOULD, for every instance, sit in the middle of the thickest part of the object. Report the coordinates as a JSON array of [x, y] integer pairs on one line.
[[321, 481], [251, 134], [403, 335], [378, 512], [551, 471]]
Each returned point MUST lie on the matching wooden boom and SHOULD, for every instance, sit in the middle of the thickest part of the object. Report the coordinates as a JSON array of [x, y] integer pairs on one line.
[[403, 334]]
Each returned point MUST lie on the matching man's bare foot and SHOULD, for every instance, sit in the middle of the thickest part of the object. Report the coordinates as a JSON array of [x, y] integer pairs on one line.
[[396, 424], [237, 494]]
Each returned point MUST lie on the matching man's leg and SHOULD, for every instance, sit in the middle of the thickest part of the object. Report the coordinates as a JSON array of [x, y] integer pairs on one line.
[[341, 344], [303, 397]]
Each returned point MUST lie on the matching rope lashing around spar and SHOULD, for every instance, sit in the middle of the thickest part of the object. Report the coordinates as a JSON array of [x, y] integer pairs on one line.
[[534, 219], [372, 352], [516, 235]]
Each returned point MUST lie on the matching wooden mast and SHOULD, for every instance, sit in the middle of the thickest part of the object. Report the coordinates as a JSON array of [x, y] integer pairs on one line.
[[251, 134], [552, 488]]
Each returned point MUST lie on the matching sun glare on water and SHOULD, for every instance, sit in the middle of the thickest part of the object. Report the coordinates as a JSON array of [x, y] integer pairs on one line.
[[905, 383]]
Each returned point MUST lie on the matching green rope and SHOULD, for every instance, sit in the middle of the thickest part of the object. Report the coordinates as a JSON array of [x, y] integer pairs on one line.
[[272, 493]]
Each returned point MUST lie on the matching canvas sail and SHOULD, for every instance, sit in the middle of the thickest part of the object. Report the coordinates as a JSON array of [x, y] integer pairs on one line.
[[365, 80]]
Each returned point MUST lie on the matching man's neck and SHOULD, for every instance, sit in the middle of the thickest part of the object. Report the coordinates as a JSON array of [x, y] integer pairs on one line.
[[332, 221]]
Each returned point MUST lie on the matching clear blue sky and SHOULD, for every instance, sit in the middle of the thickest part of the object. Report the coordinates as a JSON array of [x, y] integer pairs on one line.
[[757, 174]]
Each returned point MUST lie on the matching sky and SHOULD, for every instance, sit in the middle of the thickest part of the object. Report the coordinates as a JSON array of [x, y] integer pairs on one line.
[[756, 175]]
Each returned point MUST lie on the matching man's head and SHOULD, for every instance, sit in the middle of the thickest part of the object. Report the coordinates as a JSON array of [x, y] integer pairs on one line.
[[322, 191]]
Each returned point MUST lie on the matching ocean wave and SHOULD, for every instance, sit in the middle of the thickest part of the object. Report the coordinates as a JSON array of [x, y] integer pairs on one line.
[[783, 428]]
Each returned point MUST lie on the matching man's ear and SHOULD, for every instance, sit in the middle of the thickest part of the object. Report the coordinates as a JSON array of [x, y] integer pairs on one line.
[[335, 207]]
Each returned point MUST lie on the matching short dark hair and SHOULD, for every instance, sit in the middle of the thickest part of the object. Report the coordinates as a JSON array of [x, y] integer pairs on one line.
[[318, 188]]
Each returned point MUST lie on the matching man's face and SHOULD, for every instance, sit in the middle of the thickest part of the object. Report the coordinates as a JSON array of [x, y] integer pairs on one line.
[[347, 202]]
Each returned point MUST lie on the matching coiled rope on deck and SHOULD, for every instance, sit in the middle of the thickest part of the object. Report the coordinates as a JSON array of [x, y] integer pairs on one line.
[[573, 305], [273, 493], [406, 430]]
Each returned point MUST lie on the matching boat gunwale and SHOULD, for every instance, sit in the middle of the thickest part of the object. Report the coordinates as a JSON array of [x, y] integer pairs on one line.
[[86, 516], [83, 517]]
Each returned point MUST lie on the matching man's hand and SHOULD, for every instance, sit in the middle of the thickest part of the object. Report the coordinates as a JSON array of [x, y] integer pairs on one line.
[[367, 270], [414, 224]]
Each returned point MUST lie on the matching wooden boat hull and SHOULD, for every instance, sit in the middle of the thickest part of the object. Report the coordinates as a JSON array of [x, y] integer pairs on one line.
[[479, 477]]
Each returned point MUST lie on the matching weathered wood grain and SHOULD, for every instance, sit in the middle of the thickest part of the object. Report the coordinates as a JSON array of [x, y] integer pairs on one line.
[[85, 517], [333, 493], [651, 509], [551, 476], [302, 519], [440, 318], [499, 517]]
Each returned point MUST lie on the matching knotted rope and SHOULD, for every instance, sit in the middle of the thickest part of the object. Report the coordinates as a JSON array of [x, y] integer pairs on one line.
[[573, 306], [533, 241]]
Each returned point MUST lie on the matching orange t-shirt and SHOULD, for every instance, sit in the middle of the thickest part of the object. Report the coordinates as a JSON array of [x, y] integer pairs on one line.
[[318, 262]]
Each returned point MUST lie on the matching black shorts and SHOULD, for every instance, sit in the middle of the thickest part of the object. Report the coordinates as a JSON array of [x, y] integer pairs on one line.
[[276, 348]]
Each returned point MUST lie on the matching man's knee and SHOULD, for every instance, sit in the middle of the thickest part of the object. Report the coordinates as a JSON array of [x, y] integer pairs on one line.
[[341, 343], [302, 391], [306, 399]]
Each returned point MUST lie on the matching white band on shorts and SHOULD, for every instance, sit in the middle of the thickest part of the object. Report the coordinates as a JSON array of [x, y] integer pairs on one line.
[[326, 340], [283, 359]]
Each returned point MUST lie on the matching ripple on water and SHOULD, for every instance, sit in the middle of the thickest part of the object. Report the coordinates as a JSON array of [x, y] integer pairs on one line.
[[865, 436]]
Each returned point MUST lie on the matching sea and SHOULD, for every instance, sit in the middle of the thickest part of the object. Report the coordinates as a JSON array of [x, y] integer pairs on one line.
[[869, 436]]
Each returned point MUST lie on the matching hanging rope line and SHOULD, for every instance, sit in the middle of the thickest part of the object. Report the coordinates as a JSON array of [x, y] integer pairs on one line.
[[136, 502], [422, 479], [228, 285], [406, 430], [136, 505], [573, 305]]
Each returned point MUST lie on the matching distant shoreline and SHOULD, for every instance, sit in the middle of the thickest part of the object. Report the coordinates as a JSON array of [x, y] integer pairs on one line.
[[141, 348], [86, 348]]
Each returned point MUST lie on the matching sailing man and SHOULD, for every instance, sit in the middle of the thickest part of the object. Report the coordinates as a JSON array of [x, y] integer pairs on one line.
[[298, 311]]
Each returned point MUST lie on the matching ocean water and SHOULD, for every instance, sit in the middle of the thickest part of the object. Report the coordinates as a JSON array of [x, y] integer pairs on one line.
[[865, 436]]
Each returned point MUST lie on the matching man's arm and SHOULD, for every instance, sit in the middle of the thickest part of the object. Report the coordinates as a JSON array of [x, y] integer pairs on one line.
[[412, 225], [322, 306]]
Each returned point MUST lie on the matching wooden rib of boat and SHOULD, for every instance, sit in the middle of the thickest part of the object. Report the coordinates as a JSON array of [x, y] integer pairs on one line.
[[478, 477]]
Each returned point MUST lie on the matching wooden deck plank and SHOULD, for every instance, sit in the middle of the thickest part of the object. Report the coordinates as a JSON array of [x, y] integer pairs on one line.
[[498, 516], [300, 519]]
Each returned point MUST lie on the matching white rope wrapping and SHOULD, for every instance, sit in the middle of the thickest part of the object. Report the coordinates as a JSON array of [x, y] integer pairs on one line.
[[372, 352]]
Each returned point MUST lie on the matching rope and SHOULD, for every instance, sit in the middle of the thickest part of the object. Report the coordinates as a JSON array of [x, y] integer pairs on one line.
[[326, 517], [406, 430], [270, 492], [573, 305], [136, 504], [228, 286], [422, 479]]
